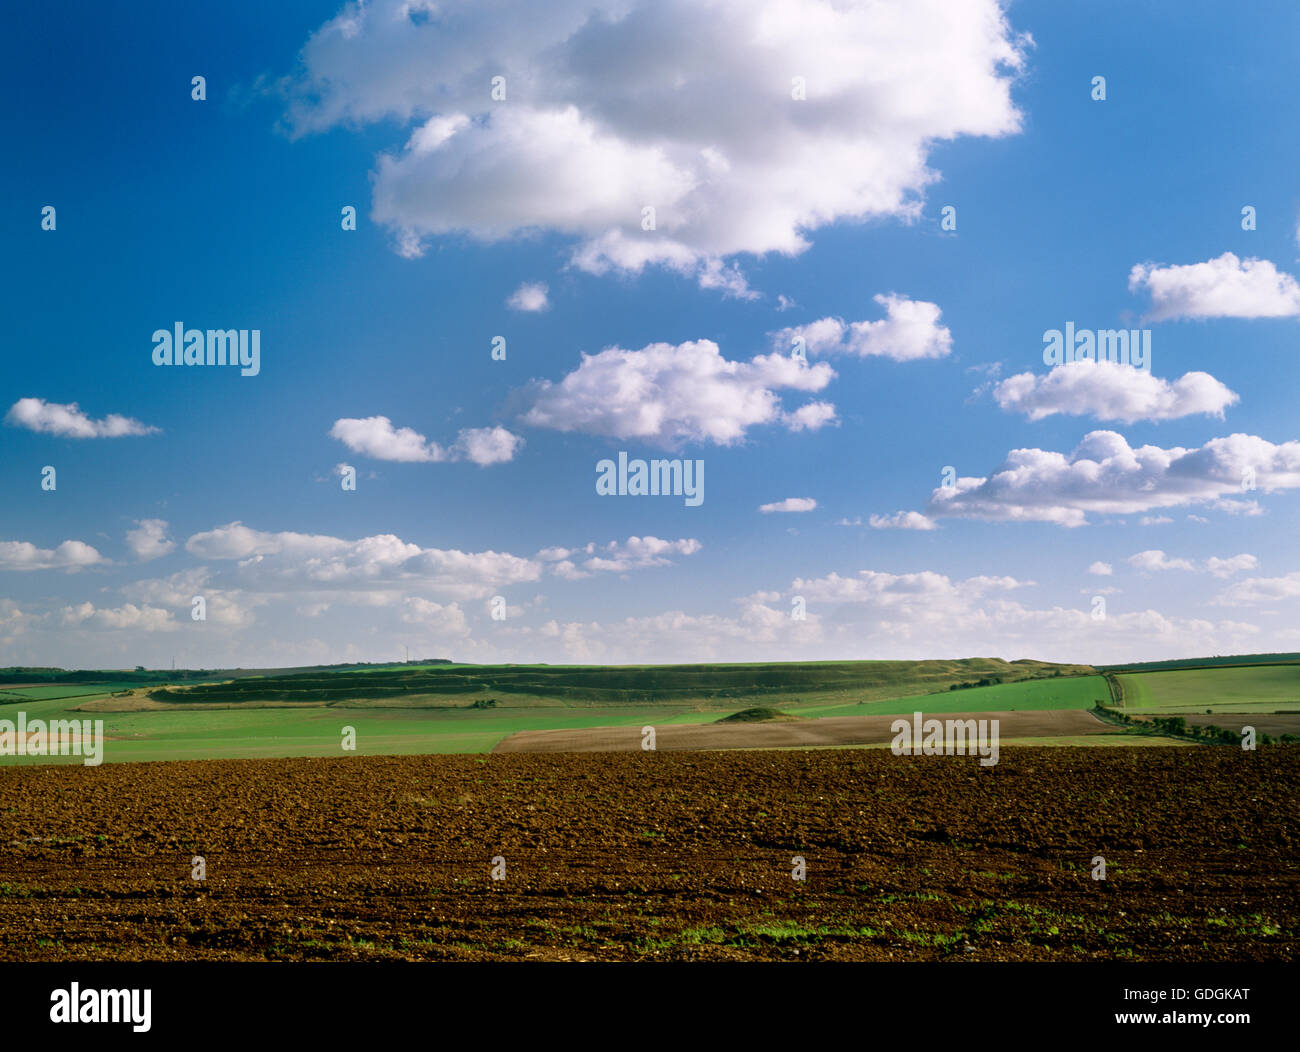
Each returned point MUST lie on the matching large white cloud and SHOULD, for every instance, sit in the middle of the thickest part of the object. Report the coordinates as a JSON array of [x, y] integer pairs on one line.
[[68, 421], [1104, 475], [375, 436], [668, 394], [1226, 287], [70, 555], [909, 331], [1112, 391], [615, 105], [287, 560]]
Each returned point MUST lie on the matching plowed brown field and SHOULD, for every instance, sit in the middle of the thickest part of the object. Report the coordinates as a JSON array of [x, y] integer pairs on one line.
[[623, 856]]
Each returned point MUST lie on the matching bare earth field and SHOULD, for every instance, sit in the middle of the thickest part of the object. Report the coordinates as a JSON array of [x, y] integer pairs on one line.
[[1264, 723], [658, 856], [831, 730]]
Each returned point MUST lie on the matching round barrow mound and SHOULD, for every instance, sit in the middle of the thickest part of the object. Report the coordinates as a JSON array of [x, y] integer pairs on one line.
[[758, 715]]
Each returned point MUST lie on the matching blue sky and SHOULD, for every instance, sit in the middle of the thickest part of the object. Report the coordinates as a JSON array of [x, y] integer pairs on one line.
[[776, 217]]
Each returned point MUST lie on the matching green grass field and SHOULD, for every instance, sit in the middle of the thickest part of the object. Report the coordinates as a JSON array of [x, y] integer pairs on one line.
[[218, 727], [184, 733], [1067, 692], [1246, 688], [431, 708]]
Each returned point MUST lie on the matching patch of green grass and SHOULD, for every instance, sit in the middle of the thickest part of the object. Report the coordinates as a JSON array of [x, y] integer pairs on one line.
[[584, 931], [1258, 924], [796, 931], [701, 936], [1248, 688]]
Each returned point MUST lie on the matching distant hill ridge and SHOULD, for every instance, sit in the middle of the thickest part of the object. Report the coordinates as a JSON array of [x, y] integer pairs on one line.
[[1218, 661], [621, 683]]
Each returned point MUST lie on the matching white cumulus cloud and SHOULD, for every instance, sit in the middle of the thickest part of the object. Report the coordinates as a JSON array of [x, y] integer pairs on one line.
[[382, 563], [442, 620], [812, 416], [1231, 565], [615, 106], [1105, 475], [667, 394], [1226, 287], [149, 539], [909, 331], [1112, 391], [375, 436], [1154, 560], [486, 445], [529, 297], [70, 556]]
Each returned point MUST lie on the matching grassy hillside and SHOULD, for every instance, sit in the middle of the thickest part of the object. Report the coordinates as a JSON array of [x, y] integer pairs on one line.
[[23, 675], [1065, 692], [625, 684], [442, 709]]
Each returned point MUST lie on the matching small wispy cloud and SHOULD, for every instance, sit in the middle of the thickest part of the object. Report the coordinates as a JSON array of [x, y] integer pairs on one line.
[[375, 436], [68, 421], [789, 504], [530, 296]]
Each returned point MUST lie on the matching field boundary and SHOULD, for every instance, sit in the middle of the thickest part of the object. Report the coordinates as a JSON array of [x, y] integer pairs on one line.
[[1116, 689]]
